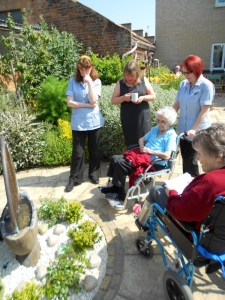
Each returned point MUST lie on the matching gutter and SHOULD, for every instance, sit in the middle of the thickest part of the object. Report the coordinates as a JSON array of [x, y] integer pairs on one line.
[[131, 51]]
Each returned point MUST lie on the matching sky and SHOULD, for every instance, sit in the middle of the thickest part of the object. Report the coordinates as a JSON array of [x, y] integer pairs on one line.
[[141, 13]]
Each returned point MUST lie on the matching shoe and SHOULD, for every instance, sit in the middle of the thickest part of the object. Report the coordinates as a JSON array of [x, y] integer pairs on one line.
[[107, 189], [71, 185], [94, 179], [115, 196]]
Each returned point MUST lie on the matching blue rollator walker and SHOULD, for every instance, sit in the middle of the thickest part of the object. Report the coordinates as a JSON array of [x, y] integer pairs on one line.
[[192, 250]]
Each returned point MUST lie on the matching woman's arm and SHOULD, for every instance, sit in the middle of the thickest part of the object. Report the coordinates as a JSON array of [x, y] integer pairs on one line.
[[200, 118], [150, 94], [176, 106], [74, 104], [92, 97], [163, 155], [116, 98]]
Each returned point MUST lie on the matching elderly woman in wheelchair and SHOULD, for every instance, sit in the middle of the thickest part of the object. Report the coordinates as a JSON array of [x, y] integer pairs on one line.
[[195, 220], [160, 141]]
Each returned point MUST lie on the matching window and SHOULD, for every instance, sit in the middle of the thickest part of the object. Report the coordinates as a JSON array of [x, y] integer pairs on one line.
[[16, 15], [219, 3], [217, 57]]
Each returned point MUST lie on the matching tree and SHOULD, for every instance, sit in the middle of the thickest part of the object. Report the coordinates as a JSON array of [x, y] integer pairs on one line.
[[36, 53]]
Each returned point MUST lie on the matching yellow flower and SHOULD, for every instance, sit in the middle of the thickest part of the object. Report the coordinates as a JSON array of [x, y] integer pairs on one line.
[[65, 128]]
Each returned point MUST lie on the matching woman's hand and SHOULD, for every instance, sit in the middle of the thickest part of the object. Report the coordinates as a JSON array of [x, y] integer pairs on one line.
[[191, 133], [127, 97], [146, 150], [139, 100], [87, 78]]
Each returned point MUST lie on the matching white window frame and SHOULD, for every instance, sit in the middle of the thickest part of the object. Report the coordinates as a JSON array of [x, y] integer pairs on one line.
[[217, 4], [211, 59]]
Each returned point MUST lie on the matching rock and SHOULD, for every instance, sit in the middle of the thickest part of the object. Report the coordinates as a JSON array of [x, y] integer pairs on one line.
[[52, 240], [41, 271], [90, 282], [94, 261], [59, 228], [43, 228]]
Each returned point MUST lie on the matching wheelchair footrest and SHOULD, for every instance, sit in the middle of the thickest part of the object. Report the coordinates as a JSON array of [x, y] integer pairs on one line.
[[139, 225]]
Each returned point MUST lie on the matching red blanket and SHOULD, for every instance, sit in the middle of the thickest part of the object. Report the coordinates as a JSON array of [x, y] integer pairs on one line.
[[140, 161]]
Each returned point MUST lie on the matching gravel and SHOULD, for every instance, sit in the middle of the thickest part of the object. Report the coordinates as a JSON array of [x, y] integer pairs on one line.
[[13, 274]]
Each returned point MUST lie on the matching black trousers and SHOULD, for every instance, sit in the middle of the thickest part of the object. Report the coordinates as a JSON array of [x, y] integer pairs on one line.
[[77, 160], [119, 168], [188, 154]]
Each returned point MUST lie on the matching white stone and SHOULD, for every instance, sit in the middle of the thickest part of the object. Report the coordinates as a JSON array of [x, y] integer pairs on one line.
[[59, 228], [41, 271], [42, 229], [52, 240], [90, 282], [94, 261]]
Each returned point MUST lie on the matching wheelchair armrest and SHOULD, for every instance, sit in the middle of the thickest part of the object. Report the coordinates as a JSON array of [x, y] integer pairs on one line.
[[187, 226], [132, 146]]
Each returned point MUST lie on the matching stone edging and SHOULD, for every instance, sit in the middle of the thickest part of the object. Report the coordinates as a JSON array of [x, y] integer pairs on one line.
[[114, 268]]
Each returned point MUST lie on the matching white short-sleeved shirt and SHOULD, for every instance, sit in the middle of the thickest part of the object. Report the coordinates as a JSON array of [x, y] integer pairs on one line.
[[84, 118], [191, 100], [164, 142]]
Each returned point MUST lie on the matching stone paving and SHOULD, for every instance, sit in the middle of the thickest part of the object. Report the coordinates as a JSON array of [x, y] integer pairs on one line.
[[128, 275]]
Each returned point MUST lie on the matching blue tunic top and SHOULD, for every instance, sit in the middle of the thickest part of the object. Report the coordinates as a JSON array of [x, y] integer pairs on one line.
[[164, 142], [84, 118], [191, 100]]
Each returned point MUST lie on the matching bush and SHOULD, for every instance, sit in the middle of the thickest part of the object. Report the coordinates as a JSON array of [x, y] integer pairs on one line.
[[30, 291], [163, 97], [58, 149], [74, 212], [51, 100], [112, 139], [24, 136], [110, 69], [84, 236], [2, 288]]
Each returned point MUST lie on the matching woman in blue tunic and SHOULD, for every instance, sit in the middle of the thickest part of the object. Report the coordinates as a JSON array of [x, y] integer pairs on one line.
[[193, 100], [82, 94], [135, 116]]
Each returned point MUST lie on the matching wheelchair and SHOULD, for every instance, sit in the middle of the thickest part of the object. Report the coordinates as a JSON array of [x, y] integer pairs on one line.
[[191, 250], [161, 167]]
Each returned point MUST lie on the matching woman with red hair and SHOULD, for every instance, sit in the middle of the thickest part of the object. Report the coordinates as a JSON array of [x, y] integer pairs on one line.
[[193, 100]]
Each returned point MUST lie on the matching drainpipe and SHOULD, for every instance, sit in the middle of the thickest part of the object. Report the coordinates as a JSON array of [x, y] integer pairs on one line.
[[131, 51]]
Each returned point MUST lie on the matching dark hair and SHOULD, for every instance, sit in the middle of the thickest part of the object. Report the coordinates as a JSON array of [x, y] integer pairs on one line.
[[85, 62], [212, 139], [193, 64]]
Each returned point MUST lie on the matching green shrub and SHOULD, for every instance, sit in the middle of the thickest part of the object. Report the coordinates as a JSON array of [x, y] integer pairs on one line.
[[112, 139], [84, 236], [64, 277], [51, 100], [74, 212], [110, 68], [31, 291], [25, 137], [157, 72], [52, 211], [36, 54], [58, 150], [163, 97]]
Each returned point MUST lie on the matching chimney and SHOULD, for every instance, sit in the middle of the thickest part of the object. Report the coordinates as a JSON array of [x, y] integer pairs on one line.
[[127, 25]]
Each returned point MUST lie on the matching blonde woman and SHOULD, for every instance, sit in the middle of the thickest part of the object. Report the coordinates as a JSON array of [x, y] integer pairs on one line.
[[135, 116]]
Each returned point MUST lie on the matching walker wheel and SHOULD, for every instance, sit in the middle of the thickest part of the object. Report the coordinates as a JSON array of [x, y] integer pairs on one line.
[[148, 251], [175, 287]]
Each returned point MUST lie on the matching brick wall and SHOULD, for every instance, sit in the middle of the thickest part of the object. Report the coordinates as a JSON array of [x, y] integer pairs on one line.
[[90, 28], [187, 27]]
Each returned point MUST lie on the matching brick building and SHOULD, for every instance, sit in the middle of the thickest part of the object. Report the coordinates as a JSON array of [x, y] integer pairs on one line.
[[89, 27], [191, 27]]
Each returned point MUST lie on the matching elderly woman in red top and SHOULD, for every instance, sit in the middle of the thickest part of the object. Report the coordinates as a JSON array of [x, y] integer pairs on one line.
[[197, 199]]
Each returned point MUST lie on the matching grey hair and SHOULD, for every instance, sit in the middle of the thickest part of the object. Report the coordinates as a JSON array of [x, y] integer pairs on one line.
[[212, 139], [167, 112]]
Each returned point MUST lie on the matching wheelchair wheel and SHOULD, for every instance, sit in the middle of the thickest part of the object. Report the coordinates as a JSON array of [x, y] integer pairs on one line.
[[146, 252], [175, 287]]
